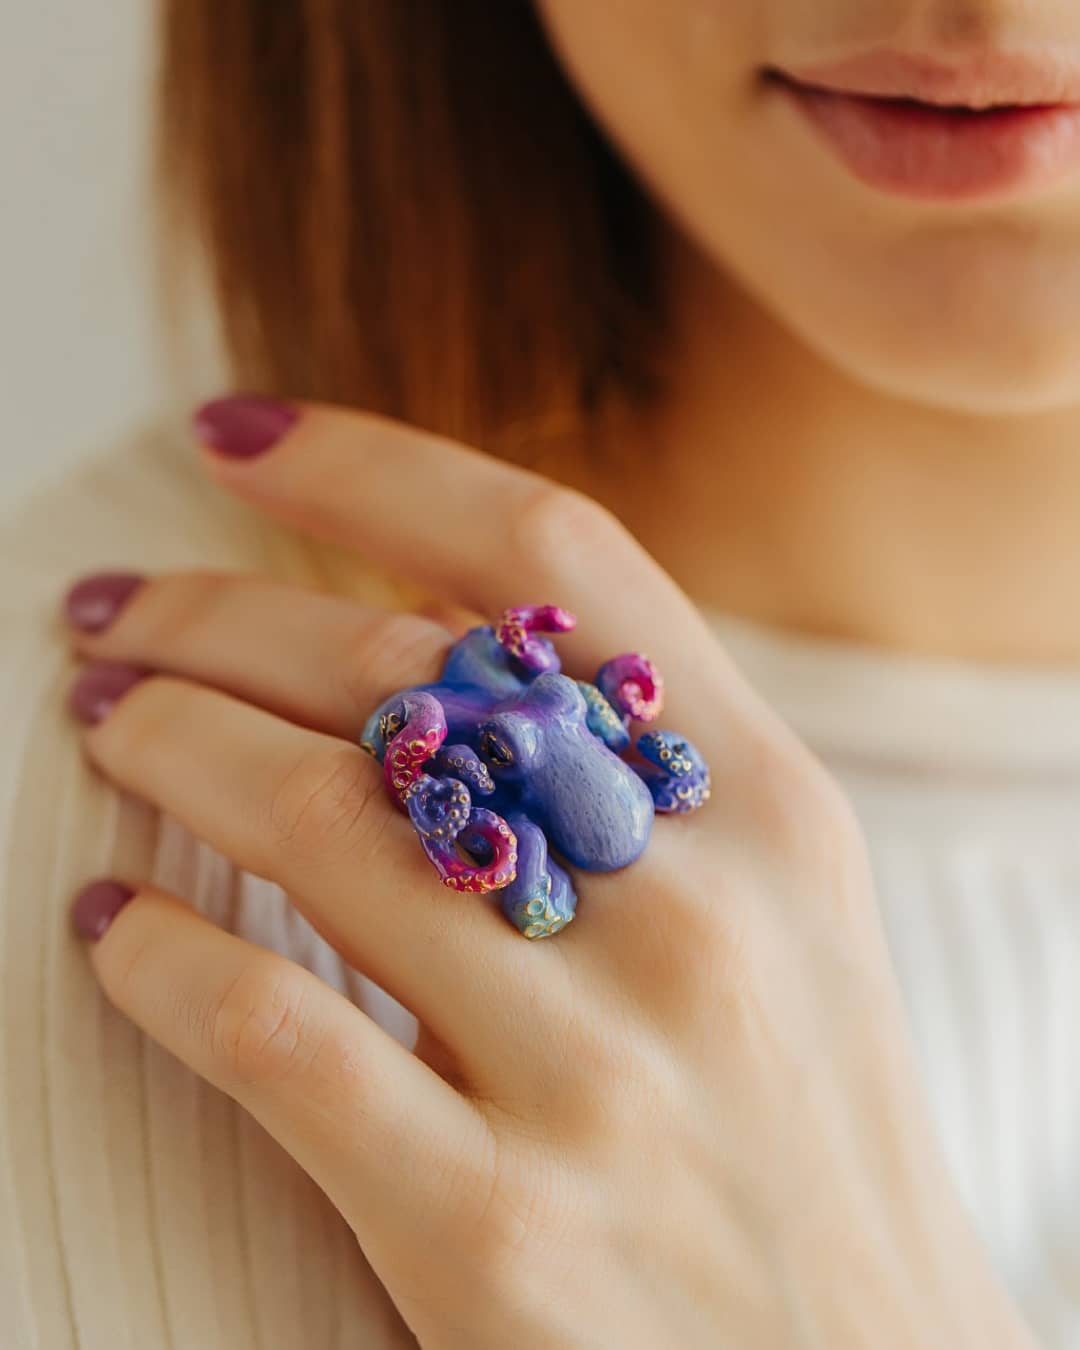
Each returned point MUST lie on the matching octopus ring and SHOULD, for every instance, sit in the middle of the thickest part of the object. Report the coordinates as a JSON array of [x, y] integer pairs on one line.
[[510, 770]]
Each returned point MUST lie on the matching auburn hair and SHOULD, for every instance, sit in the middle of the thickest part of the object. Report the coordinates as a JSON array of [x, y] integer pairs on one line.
[[405, 207]]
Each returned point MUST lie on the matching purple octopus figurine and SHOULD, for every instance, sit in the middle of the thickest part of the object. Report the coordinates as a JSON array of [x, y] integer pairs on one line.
[[509, 769]]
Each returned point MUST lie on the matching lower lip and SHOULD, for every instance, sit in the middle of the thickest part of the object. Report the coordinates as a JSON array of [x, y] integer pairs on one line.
[[941, 154]]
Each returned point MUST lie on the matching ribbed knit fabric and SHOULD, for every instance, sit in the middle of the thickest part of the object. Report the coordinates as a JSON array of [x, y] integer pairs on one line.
[[966, 780], [140, 1210]]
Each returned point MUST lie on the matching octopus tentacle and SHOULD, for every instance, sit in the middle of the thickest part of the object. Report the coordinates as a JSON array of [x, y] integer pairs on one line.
[[422, 730], [633, 686], [516, 632], [541, 899], [482, 855], [438, 807], [602, 719], [462, 761], [675, 773], [471, 848]]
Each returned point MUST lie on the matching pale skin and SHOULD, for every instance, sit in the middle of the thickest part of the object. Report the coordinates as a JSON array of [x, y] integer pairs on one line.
[[874, 405], [720, 1139]]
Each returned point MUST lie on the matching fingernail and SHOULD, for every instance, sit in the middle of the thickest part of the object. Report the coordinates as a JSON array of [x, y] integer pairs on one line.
[[96, 906], [244, 425], [99, 687], [93, 603]]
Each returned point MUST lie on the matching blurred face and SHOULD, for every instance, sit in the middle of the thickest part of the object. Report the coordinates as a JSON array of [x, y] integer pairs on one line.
[[898, 181]]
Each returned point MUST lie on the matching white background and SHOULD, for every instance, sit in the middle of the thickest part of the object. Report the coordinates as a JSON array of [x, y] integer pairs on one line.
[[79, 360]]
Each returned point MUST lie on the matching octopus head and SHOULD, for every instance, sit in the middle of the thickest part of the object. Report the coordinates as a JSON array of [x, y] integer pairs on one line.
[[594, 809]]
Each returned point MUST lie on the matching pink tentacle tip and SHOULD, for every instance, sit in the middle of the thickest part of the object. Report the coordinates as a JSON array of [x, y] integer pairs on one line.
[[633, 685], [417, 742], [553, 619], [516, 624]]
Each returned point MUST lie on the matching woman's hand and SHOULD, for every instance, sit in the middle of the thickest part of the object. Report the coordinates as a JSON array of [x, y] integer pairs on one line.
[[690, 1120]]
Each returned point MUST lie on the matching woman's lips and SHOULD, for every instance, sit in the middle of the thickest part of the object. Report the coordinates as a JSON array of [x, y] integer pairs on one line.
[[938, 153]]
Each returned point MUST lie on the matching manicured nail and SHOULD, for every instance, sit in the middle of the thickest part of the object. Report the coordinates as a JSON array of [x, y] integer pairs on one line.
[[96, 906], [244, 425], [93, 603], [99, 687]]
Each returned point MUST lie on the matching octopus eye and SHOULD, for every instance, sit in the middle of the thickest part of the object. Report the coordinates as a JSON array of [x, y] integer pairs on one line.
[[497, 754], [390, 724]]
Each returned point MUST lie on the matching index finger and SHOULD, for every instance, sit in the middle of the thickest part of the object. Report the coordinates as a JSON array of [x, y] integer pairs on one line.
[[470, 528]]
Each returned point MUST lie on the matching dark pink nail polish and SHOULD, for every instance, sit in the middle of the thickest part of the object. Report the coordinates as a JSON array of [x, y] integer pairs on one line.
[[93, 603], [243, 425], [99, 687], [96, 906]]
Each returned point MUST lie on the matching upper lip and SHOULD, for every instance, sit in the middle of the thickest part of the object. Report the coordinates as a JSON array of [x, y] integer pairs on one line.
[[982, 80]]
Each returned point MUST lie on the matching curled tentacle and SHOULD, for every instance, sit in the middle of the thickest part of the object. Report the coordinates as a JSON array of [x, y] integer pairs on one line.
[[516, 631], [462, 761], [632, 685], [602, 719], [541, 899], [438, 807], [421, 729], [472, 848], [481, 857], [676, 773]]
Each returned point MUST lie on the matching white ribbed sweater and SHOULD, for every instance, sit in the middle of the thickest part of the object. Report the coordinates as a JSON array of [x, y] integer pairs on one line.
[[140, 1210]]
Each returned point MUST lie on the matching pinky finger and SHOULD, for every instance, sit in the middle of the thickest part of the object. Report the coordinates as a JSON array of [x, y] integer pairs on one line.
[[374, 1126]]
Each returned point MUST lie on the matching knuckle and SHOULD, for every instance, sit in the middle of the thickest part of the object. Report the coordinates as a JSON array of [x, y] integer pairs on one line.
[[803, 825], [502, 1245], [328, 804], [694, 948], [513, 1207], [704, 943], [558, 522], [721, 964], [390, 650], [804, 812], [584, 1050], [260, 1030]]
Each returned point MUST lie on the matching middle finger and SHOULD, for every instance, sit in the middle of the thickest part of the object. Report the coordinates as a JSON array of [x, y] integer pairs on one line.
[[319, 660], [309, 812]]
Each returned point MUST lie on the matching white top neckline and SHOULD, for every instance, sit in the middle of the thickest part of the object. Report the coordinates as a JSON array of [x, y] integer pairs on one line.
[[851, 700]]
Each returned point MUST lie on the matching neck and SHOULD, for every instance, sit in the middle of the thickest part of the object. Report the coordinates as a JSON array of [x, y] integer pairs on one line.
[[807, 500]]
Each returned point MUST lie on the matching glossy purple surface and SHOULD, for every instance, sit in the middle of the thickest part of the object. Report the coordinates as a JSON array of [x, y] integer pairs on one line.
[[540, 750]]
